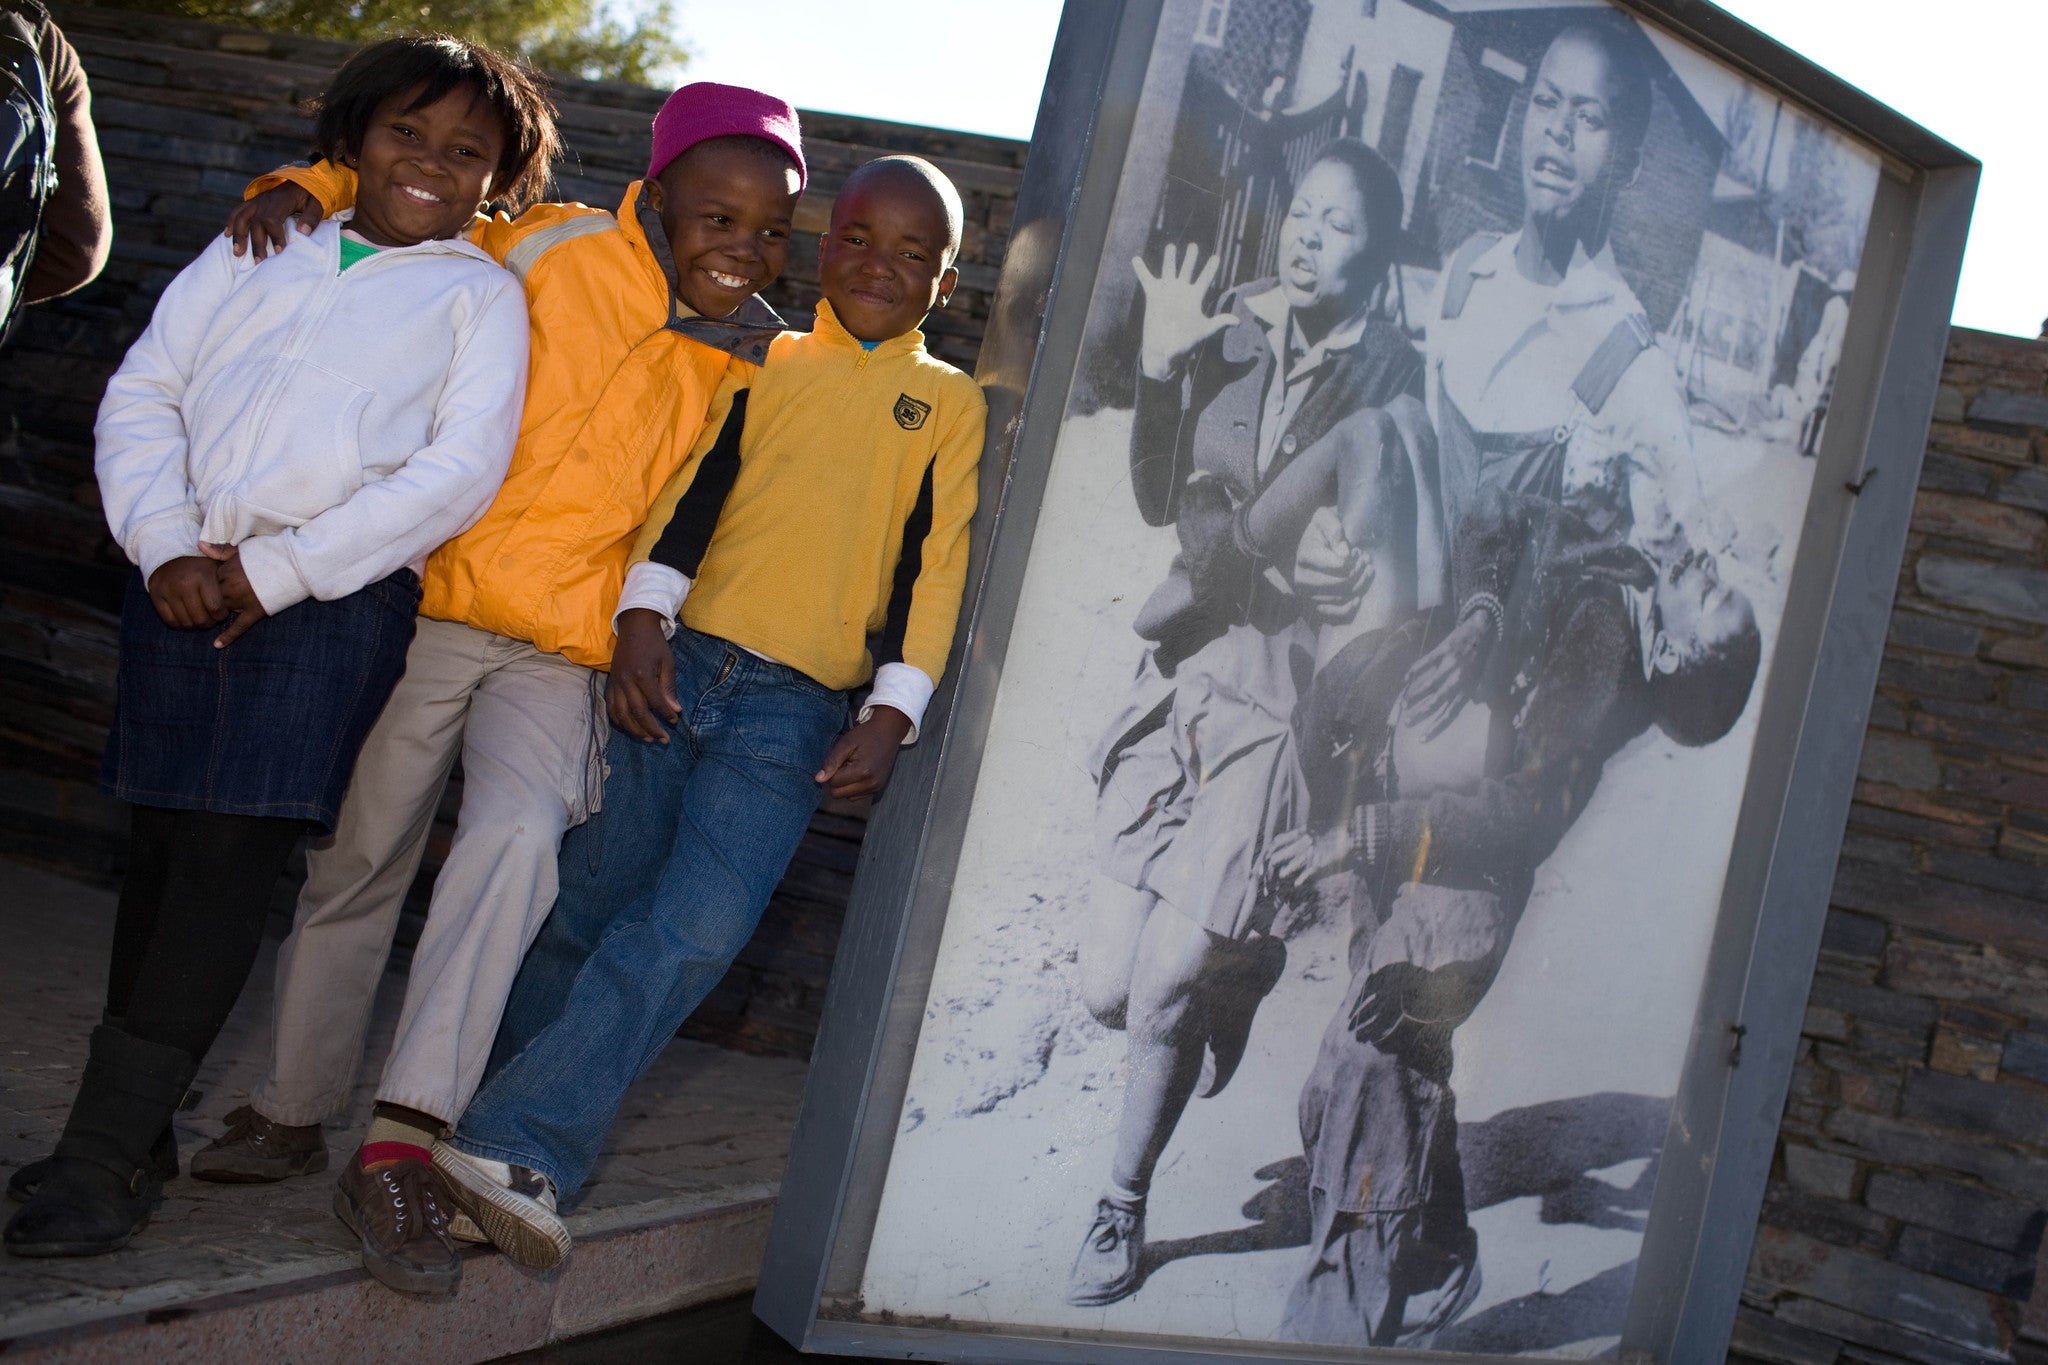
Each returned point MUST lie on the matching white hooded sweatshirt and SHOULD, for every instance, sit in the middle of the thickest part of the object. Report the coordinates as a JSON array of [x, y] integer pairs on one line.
[[336, 426]]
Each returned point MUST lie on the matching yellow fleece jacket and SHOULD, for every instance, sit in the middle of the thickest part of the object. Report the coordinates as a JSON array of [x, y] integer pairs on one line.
[[847, 514], [619, 382]]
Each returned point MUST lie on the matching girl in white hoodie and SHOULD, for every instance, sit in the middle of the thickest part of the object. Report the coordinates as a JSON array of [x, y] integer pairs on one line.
[[277, 455]]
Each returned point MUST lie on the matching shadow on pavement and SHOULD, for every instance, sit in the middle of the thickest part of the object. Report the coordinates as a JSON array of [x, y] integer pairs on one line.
[[722, 1333]]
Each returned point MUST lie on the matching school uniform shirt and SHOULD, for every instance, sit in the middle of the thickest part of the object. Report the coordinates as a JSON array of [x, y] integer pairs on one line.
[[1509, 357], [828, 503], [335, 426]]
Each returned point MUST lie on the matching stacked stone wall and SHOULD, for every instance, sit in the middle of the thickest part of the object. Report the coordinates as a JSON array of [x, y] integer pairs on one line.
[[1905, 1214]]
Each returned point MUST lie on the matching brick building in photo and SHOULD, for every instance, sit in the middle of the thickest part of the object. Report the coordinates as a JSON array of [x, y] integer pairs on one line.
[[1907, 1205]]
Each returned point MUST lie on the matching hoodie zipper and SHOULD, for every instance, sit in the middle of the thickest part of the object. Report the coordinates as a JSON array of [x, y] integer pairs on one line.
[[312, 318], [325, 295]]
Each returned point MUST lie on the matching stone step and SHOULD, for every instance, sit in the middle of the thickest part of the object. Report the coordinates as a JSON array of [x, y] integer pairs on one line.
[[675, 1213], [630, 1263]]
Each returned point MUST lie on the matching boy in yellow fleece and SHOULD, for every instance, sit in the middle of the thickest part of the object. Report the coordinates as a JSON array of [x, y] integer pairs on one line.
[[831, 505], [636, 320]]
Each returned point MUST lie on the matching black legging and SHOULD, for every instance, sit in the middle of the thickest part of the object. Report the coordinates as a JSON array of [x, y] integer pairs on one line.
[[191, 919]]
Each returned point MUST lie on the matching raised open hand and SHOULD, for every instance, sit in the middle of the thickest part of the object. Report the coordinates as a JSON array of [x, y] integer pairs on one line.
[[1175, 319]]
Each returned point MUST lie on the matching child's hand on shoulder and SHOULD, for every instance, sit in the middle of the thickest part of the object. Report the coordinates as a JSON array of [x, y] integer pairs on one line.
[[640, 694], [236, 592], [862, 759], [186, 592], [262, 225]]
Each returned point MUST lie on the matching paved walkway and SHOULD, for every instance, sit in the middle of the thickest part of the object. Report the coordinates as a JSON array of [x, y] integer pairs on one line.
[[675, 1214]]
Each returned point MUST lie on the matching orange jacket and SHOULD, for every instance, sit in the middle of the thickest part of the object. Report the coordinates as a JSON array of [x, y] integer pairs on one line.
[[619, 382]]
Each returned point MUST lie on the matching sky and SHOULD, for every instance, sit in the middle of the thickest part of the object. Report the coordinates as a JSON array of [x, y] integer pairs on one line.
[[1971, 75]]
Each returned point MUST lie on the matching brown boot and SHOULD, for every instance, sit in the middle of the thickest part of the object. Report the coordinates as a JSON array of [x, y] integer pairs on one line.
[[255, 1151], [399, 1212]]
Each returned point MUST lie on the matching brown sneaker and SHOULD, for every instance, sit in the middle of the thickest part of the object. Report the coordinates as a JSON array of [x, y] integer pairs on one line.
[[255, 1151], [398, 1210]]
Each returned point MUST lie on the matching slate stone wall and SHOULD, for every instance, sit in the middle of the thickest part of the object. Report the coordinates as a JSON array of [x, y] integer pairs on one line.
[[1905, 1213]]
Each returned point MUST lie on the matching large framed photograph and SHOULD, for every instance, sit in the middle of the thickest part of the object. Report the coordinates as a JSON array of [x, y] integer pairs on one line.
[[1449, 463]]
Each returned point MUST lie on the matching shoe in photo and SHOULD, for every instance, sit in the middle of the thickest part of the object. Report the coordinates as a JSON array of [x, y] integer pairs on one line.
[[1107, 1267]]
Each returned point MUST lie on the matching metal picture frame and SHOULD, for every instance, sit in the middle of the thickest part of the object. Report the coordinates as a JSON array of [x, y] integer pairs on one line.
[[1793, 809]]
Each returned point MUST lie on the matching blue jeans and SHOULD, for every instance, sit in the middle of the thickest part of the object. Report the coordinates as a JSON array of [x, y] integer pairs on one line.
[[659, 892]]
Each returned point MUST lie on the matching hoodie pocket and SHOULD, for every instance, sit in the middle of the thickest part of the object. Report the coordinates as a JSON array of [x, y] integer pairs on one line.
[[309, 453]]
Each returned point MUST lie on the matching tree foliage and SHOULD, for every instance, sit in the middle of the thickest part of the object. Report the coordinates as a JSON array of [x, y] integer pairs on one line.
[[583, 38]]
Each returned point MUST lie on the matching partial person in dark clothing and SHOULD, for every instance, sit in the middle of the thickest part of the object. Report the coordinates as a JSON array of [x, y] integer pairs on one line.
[[76, 232], [1571, 644]]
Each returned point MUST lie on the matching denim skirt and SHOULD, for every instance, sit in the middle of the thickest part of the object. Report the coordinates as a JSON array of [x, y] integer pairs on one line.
[[272, 724]]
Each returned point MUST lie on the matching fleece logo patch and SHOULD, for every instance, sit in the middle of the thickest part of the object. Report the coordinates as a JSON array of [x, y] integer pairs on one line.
[[910, 413]]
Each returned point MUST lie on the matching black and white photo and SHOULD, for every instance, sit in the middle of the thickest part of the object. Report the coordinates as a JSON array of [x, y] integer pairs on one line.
[[1332, 913]]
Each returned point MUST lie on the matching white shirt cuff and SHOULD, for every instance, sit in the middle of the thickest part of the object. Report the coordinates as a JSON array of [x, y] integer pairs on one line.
[[656, 588], [165, 539], [906, 687], [267, 563]]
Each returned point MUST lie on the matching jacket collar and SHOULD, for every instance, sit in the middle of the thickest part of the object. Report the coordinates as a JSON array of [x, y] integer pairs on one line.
[[1590, 281], [829, 328], [745, 333], [1268, 307]]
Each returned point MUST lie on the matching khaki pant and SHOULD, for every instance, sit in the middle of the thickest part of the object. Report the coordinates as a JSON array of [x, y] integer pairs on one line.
[[525, 727]]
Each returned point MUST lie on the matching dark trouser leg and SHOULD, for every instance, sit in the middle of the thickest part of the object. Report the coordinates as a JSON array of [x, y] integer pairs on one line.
[[150, 840], [1392, 1259], [151, 837], [209, 925]]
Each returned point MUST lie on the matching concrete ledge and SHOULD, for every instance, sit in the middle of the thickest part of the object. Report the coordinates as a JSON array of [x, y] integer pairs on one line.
[[628, 1264], [675, 1213]]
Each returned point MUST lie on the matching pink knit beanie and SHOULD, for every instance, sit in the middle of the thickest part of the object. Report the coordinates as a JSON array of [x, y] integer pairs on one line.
[[703, 110]]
